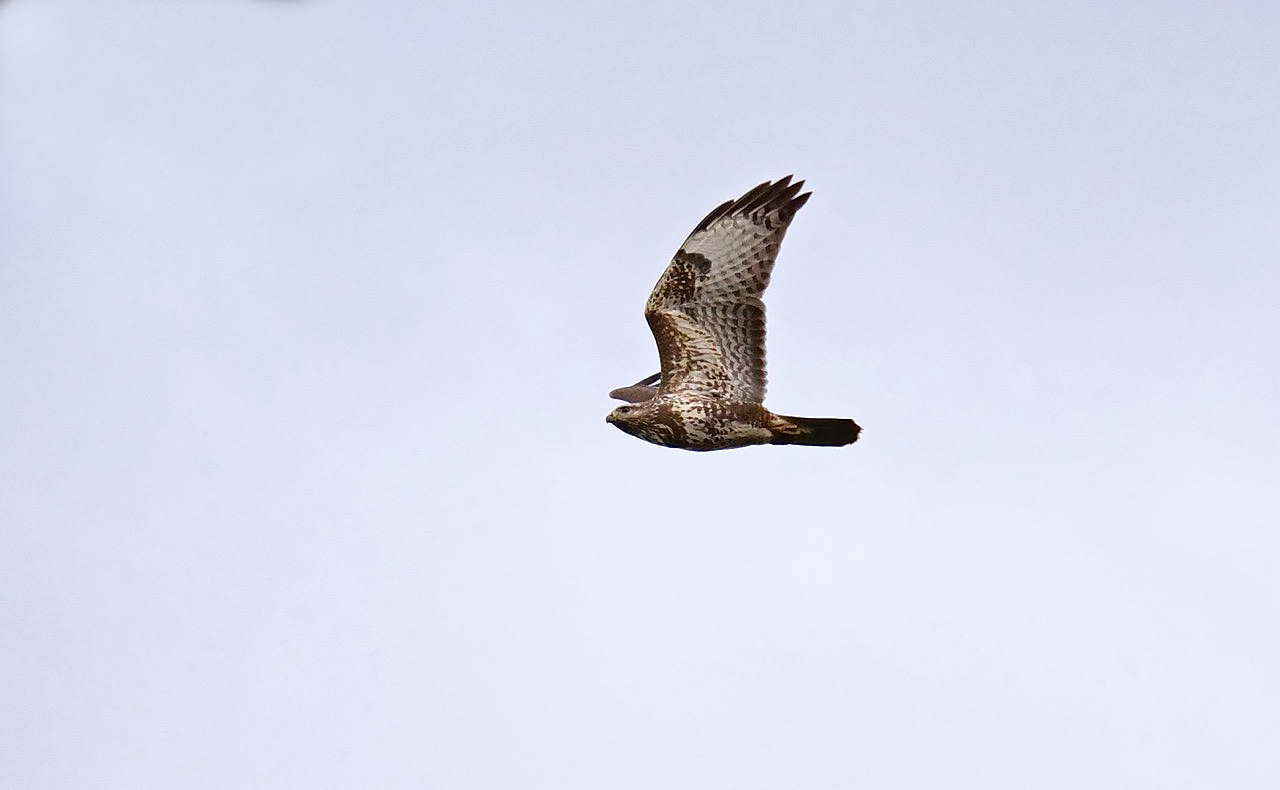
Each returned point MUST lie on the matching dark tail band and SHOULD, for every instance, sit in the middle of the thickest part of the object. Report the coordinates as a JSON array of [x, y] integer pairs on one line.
[[819, 432]]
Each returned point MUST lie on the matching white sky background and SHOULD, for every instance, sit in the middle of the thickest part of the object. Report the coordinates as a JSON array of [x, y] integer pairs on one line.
[[307, 315]]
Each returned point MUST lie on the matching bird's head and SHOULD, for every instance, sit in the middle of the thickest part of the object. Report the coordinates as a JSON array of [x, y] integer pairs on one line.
[[625, 416], [644, 421]]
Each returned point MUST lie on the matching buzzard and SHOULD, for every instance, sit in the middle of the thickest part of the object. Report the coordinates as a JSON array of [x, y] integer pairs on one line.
[[708, 320]]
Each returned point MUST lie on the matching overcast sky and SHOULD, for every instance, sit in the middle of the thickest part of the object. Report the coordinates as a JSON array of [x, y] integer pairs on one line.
[[308, 313]]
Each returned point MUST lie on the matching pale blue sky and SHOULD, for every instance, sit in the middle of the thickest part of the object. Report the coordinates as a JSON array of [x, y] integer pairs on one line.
[[307, 315]]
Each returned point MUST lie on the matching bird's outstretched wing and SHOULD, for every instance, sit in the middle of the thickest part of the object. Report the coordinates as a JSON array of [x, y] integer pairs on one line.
[[641, 391], [706, 312]]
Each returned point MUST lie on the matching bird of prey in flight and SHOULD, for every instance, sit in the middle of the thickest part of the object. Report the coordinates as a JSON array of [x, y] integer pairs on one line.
[[707, 317]]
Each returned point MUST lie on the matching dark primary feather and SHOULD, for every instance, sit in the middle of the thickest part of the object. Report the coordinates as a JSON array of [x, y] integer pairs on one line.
[[778, 192]]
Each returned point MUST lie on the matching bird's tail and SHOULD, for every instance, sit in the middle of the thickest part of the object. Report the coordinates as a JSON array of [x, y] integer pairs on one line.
[[818, 432]]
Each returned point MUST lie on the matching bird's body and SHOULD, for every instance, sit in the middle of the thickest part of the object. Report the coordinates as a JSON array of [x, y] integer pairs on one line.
[[707, 317]]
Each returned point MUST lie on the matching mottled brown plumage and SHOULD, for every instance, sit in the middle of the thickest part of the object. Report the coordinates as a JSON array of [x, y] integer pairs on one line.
[[708, 319]]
